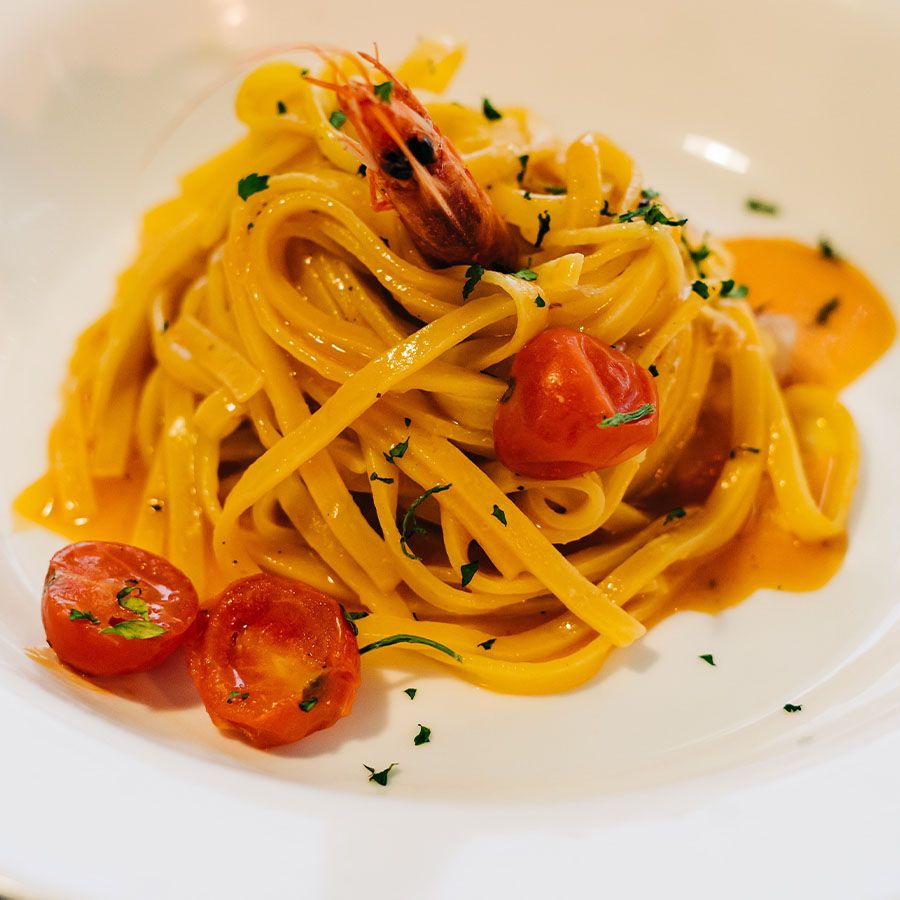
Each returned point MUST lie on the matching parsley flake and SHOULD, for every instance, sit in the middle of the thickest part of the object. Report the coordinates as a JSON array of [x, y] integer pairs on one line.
[[543, 228], [826, 310], [376, 477], [383, 91], [361, 171], [337, 118], [623, 418], [490, 111], [699, 254], [557, 190], [606, 211], [498, 514], [526, 274], [791, 708], [473, 275], [826, 248], [350, 618], [282, 109], [409, 639], [672, 514], [652, 215], [523, 163], [308, 704], [540, 302], [763, 207], [735, 292], [380, 777], [411, 693], [653, 370], [701, 288], [424, 735], [76, 614], [135, 629], [237, 695], [707, 658], [397, 451], [129, 598], [649, 194], [488, 643], [468, 571], [743, 448], [252, 184], [410, 525]]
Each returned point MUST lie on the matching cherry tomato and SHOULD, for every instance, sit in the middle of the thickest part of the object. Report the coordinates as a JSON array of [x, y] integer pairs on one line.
[[110, 608], [557, 419], [275, 661]]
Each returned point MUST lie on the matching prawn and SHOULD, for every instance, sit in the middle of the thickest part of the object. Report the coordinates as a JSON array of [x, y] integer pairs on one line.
[[415, 170]]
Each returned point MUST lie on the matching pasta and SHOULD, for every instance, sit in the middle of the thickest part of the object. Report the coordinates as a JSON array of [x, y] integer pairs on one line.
[[282, 374]]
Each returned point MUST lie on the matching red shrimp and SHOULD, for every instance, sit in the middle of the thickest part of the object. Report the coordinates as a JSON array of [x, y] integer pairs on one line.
[[414, 169]]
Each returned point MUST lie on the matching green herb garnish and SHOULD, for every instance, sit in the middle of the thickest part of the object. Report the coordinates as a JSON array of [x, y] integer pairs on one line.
[[473, 275], [380, 777], [488, 643], [337, 118], [307, 705], [672, 514], [635, 415], [411, 693], [409, 639], [826, 310], [129, 598], [410, 526], [743, 448], [543, 228], [653, 370], [526, 274], [540, 302], [424, 735], [701, 288], [701, 253], [376, 477], [76, 614], [383, 91], [556, 189], [351, 617], [135, 629], [791, 708], [468, 571], [707, 658], [735, 292], [763, 207], [523, 163], [397, 451], [252, 184], [498, 514], [649, 194], [237, 695], [361, 171], [489, 110], [652, 215], [826, 248], [282, 109], [606, 211]]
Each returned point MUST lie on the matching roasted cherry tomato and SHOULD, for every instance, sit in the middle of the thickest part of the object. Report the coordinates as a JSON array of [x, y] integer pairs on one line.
[[110, 608], [559, 418], [275, 661]]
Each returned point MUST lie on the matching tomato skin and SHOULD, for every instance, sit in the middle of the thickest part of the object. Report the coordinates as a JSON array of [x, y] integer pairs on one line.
[[564, 383], [279, 642], [86, 577]]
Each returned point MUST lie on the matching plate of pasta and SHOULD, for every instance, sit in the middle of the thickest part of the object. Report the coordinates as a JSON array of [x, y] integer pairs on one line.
[[406, 427]]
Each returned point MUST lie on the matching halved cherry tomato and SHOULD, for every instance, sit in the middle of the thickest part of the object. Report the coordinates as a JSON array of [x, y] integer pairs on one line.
[[565, 388], [276, 661], [111, 608]]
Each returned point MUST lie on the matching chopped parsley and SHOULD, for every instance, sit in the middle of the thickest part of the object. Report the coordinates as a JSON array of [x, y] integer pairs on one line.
[[409, 639], [410, 526], [763, 207], [556, 189], [523, 164], [308, 704], [397, 451], [376, 477], [652, 215], [135, 629], [672, 514], [623, 418], [491, 113], [488, 643], [698, 255], [304, 72], [826, 310], [649, 194], [351, 617], [380, 777], [791, 708], [540, 302], [383, 91], [743, 448], [282, 109], [76, 614], [653, 370], [424, 735], [826, 248], [337, 118], [510, 387], [129, 598], [543, 228], [527, 195], [361, 171], [473, 275], [411, 693], [606, 211], [498, 514], [407, 421], [468, 571], [707, 658], [237, 695], [252, 184], [526, 274], [730, 289], [701, 288]]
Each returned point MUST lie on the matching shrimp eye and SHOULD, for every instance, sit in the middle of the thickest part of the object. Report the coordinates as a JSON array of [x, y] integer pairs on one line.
[[422, 149], [395, 164]]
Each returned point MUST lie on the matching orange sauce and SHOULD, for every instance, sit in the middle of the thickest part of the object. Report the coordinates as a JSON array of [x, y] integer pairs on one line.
[[784, 277]]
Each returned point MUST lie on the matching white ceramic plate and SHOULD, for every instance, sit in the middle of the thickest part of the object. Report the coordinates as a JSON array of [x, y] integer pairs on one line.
[[664, 777]]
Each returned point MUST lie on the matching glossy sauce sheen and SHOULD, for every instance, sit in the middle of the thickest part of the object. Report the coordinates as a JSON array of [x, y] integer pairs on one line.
[[785, 278]]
